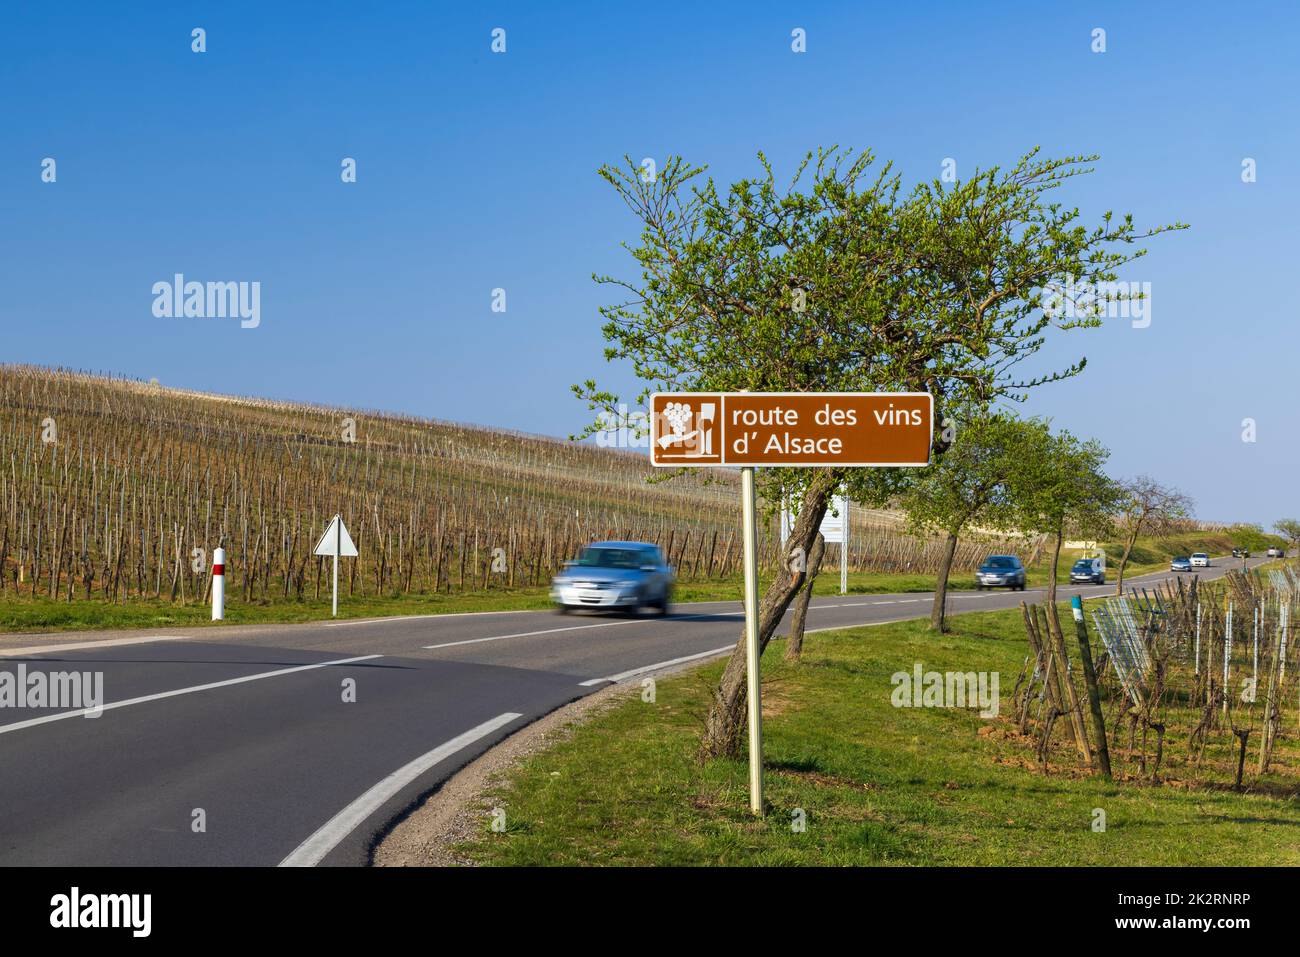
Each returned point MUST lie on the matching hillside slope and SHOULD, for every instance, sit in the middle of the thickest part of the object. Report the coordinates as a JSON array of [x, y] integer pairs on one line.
[[115, 483]]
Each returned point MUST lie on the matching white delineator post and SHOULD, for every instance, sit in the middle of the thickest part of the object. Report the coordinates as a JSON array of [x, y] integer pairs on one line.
[[1227, 654], [844, 550], [219, 584], [752, 679]]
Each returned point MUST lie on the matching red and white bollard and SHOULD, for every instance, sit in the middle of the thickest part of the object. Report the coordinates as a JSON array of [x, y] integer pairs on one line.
[[219, 584]]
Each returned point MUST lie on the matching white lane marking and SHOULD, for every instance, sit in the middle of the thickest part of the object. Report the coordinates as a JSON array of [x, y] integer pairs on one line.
[[551, 631], [313, 850], [126, 703], [513, 611], [614, 679], [79, 645], [528, 634], [450, 614]]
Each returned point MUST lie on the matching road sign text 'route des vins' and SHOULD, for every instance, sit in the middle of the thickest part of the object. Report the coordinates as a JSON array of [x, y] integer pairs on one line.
[[848, 429]]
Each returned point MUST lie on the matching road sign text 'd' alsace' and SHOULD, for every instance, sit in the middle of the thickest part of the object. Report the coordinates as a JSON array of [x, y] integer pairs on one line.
[[847, 429]]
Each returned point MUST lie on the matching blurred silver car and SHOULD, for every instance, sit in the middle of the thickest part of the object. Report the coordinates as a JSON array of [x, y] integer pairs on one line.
[[1088, 570], [615, 576]]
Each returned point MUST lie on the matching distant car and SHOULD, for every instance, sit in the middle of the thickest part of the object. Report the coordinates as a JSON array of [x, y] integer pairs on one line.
[[1181, 564], [1276, 552], [1088, 570], [1245, 553], [1200, 560], [1001, 571], [615, 576], [1236, 553]]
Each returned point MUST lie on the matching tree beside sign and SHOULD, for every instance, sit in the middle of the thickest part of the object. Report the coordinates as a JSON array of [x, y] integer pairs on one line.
[[838, 278]]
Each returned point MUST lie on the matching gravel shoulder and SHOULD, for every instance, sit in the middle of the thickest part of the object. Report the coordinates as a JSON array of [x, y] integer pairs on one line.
[[457, 811]]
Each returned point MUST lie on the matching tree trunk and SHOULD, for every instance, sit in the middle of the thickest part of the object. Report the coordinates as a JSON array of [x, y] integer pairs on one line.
[[938, 621], [726, 720], [1123, 562], [1051, 571], [794, 647]]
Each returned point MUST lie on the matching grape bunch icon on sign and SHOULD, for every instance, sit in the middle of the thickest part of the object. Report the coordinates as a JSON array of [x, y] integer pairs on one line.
[[689, 429]]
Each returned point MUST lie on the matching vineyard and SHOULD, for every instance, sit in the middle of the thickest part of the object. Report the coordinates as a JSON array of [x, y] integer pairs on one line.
[[1189, 682], [116, 489]]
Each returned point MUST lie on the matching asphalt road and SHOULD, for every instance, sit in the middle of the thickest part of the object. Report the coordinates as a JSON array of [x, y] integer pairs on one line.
[[246, 730]]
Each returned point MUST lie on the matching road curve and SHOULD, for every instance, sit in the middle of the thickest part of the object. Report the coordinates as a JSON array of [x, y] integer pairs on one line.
[[297, 744]]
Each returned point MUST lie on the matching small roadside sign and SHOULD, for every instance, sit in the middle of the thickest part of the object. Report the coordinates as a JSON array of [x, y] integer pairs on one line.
[[336, 542], [834, 529], [794, 429], [833, 522]]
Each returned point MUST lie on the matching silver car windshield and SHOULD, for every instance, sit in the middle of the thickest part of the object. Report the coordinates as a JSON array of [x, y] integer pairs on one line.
[[613, 558]]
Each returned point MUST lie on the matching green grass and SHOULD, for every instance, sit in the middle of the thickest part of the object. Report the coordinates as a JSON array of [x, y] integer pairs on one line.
[[41, 614], [879, 785]]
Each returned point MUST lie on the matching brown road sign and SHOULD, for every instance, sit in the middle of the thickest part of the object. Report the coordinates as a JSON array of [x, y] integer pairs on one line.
[[846, 429]]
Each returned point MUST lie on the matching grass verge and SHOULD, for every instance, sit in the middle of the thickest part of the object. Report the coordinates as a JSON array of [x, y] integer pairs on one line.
[[877, 785]]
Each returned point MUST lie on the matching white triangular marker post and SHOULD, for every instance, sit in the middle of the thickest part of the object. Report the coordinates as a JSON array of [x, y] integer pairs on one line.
[[336, 541]]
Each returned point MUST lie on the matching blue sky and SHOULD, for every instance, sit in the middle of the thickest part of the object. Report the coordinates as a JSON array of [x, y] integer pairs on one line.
[[477, 171]]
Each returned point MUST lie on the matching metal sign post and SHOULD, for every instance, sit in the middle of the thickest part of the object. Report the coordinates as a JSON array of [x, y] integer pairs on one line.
[[844, 550], [753, 688], [790, 429]]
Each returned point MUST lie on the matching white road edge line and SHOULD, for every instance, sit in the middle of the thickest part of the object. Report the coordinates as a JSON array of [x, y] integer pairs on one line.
[[623, 675], [313, 850], [551, 631], [865, 624], [126, 703], [615, 679], [36, 650]]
